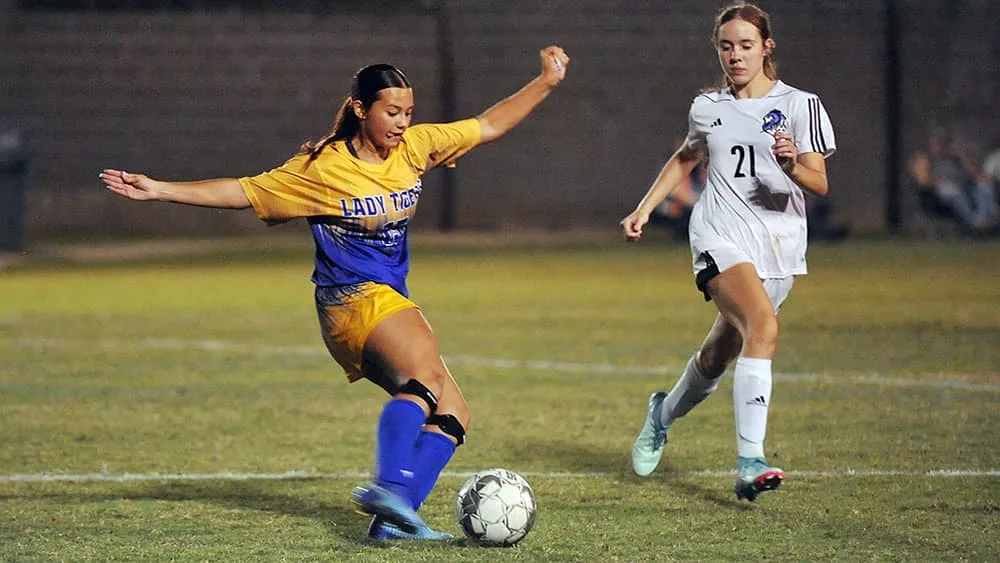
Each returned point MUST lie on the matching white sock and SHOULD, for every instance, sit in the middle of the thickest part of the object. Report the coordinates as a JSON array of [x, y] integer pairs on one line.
[[691, 389], [751, 397]]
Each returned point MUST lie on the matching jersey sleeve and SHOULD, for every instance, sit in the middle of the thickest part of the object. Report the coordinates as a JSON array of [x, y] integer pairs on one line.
[[812, 129], [437, 144], [294, 189], [697, 130]]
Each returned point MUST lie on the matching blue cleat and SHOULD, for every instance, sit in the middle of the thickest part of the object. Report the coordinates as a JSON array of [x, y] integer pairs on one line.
[[376, 500], [379, 529], [648, 447], [754, 476]]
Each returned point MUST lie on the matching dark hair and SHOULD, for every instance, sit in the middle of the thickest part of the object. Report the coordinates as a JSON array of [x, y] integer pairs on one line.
[[365, 86], [755, 16]]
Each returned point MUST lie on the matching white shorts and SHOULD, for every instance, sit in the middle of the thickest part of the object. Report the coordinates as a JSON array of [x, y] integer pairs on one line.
[[710, 263], [778, 290]]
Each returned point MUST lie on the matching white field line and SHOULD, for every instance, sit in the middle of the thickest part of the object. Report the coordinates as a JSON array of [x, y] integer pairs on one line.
[[303, 475], [219, 346]]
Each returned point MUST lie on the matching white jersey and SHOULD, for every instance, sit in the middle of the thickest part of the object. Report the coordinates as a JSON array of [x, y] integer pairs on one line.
[[750, 202]]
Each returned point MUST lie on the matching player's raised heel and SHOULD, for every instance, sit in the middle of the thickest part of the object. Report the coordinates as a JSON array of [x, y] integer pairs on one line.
[[376, 500], [755, 476], [379, 529], [648, 446]]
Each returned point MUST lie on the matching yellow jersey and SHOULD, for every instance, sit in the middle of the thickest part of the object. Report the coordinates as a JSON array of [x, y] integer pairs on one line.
[[358, 211]]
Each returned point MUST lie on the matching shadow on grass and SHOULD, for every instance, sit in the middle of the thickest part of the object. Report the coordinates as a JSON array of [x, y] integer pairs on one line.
[[339, 518], [721, 497], [574, 457]]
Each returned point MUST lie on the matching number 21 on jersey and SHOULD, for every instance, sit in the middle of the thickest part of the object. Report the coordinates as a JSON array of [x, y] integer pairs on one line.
[[746, 164]]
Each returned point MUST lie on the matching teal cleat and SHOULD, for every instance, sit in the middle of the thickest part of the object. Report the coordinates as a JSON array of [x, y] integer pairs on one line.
[[379, 529], [376, 500], [754, 476], [648, 447]]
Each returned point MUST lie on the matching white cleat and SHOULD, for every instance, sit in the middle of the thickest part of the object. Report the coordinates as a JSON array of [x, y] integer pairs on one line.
[[648, 447]]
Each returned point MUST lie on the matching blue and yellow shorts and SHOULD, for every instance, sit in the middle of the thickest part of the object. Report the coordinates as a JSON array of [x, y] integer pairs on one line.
[[347, 315]]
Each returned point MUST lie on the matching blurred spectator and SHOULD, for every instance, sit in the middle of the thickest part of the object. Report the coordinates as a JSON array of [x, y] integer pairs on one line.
[[13, 172], [991, 170], [950, 184], [675, 211], [819, 215]]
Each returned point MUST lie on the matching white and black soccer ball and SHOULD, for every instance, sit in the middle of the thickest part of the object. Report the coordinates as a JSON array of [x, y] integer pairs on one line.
[[496, 507]]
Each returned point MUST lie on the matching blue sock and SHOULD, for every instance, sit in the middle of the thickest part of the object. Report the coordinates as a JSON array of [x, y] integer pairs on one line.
[[398, 429], [433, 452]]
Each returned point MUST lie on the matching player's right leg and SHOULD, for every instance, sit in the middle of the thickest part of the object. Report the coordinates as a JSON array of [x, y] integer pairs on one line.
[[402, 356], [699, 379]]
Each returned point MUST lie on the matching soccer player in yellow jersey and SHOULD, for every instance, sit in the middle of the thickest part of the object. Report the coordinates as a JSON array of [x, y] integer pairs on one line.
[[358, 187]]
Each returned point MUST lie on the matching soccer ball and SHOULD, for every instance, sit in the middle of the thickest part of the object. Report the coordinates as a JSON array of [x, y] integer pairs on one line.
[[496, 507]]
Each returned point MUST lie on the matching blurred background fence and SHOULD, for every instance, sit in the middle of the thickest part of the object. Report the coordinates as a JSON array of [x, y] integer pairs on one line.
[[192, 89]]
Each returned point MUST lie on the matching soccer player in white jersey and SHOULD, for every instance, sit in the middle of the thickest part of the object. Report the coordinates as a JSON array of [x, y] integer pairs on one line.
[[765, 142]]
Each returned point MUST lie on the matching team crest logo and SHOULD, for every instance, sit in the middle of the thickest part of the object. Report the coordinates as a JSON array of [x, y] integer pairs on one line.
[[774, 122]]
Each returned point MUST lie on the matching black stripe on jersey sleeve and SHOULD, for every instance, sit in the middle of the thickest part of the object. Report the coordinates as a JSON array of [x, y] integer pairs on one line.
[[816, 126], [819, 126], [812, 125]]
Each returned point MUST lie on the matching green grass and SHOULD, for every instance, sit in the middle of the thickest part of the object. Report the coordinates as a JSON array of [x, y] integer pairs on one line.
[[212, 363]]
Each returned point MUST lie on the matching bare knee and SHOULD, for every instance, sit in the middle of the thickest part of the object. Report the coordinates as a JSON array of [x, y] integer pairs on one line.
[[434, 379], [453, 403], [762, 335], [452, 419], [448, 398], [465, 418], [424, 387]]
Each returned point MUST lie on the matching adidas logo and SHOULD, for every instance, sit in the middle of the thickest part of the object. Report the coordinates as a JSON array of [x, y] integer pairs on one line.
[[717, 122], [758, 400]]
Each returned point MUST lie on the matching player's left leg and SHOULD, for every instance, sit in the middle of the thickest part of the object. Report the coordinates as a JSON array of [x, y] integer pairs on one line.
[[376, 333], [744, 302], [402, 357], [444, 432]]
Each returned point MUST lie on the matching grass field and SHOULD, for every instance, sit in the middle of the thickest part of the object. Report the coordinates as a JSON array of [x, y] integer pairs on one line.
[[183, 407]]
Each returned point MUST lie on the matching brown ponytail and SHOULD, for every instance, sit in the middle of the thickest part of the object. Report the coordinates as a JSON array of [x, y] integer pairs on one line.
[[345, 122], [365, 86]]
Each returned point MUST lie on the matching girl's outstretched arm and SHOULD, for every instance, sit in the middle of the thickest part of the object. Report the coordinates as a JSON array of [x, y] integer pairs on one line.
[[503, 116], [223, 193]]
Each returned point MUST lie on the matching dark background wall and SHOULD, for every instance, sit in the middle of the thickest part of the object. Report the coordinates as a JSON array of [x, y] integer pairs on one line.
[[188, 95]]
